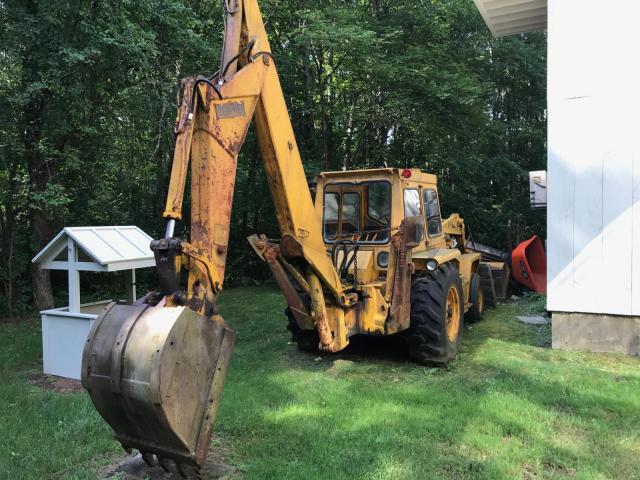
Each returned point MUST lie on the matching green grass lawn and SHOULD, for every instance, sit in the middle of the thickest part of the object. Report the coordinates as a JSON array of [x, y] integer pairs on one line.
[[509, 407]]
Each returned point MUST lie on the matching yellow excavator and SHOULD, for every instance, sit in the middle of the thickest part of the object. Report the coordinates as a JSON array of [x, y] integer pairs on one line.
[[371, 255]]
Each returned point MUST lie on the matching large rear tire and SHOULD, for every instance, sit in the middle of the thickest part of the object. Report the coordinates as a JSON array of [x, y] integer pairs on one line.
[[437, 316], [476, 297], [307, 340]]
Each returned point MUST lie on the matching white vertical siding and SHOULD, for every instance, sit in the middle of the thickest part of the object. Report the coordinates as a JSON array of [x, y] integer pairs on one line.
[[594, 157], [635, 260]]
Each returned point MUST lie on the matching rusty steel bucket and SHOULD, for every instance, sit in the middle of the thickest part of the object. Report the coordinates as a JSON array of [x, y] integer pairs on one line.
[[156, 374]]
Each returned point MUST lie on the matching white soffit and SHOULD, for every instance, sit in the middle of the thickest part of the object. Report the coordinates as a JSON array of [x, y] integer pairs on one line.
[[510, 17], [110, 248]]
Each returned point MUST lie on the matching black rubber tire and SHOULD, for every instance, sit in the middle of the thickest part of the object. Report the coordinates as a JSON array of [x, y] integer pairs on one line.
[[476, 298], [307, 340], [427, 335]]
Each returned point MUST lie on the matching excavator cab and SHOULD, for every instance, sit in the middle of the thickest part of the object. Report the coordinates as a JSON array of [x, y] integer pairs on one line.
[[361, 211]]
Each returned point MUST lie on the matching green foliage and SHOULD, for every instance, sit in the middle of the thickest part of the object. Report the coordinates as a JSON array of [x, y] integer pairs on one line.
[[46, 434], [536, 302], [87, 105], [413, 84], [87, 94]]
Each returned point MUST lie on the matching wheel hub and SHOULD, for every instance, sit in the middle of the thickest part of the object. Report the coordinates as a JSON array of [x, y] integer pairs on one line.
[[452, 313]]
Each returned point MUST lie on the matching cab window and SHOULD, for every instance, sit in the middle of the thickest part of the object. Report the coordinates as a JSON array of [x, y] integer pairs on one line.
[[350, 212], [432, 212], [378, 218], [330, 215], [359, 211], [412, 206], [411, 203], [378, 202]]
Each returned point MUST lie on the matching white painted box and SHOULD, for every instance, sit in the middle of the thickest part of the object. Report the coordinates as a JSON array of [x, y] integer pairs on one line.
[[63, 337]]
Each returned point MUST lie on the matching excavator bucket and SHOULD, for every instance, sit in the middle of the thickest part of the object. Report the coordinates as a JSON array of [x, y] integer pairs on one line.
[[156, 374]]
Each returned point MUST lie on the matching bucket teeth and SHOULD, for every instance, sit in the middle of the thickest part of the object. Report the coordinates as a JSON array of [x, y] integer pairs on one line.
[[197, 474], [181, 470], [165, 463], [148, 458]]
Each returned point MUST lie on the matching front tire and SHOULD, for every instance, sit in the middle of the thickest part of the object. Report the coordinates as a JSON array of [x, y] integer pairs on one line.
[[437, 316]]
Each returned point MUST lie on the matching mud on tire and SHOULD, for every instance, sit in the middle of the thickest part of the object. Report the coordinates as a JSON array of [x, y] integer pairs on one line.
[[432, 337]]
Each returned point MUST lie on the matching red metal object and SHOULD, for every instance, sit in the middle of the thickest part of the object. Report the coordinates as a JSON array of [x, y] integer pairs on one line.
[[529, 265], [406, 173]]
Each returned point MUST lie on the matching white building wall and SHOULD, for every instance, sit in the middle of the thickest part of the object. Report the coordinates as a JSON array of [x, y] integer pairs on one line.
[[594, 157]]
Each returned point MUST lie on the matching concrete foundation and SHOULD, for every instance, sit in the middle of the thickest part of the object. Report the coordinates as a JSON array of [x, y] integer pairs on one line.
[[596, 332]]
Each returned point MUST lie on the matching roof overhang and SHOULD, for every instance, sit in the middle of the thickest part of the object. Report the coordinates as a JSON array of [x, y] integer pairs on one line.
[[510, 17], [108, 249]]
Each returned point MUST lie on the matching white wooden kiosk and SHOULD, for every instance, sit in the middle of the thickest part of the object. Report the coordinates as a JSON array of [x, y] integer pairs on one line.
[[85, 249]]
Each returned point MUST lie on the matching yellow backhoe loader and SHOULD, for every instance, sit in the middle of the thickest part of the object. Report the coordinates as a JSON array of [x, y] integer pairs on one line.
[[371, 255]]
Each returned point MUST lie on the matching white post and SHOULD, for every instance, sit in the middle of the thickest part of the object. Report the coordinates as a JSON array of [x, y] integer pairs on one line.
[[74, 276]]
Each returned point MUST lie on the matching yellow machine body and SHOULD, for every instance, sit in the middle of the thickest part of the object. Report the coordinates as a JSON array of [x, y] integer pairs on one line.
[[382, 292], [155, 370]]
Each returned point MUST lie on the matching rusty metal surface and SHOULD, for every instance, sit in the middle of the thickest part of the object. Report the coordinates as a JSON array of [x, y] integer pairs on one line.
[[217, 139], [270, 253], [328, 341], [400, 312], [232, 35], [295, 274], [155, 374], [184, 134]]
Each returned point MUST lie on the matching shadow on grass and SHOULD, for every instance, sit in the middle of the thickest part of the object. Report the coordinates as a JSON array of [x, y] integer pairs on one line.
[[368, 348], [497, 324], [507, 408], [439, 428]]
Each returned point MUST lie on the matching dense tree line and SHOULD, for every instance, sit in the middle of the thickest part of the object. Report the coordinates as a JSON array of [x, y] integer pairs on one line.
[[88, 99]]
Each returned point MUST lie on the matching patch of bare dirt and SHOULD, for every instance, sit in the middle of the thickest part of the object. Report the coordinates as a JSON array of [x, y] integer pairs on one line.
[[553, 468], [56, 384], [132, 467]]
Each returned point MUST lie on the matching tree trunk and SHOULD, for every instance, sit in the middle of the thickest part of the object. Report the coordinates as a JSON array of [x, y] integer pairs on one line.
[[8, 281], [40, 173], [41, 233], [41, 288], [8, 229]]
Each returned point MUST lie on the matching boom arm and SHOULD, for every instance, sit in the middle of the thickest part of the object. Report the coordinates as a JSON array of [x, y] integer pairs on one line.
[[211, 128]]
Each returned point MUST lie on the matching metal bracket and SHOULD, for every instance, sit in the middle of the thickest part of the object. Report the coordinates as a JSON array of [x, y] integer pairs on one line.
[[166, 252]]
